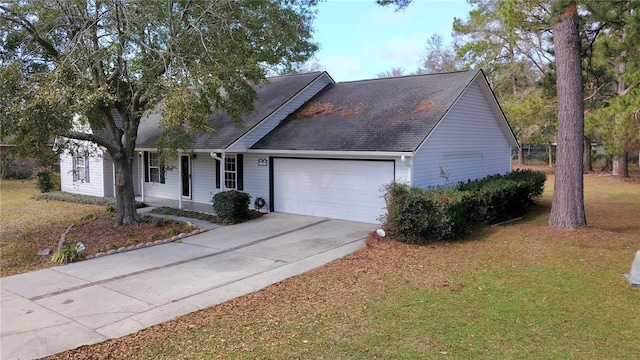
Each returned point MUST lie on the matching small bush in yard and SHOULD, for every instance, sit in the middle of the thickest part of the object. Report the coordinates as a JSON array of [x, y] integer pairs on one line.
[[172, 232], [416, 215], [68, 253], [42, 176], [110, 209], [231, 206]]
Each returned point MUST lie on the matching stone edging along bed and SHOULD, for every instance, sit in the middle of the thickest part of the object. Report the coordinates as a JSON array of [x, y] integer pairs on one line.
[[180, 236], [148, 244]]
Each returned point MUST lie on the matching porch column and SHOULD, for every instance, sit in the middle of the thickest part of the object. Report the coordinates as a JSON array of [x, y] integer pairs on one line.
[[113, 168], [222, 171], [142, 169]]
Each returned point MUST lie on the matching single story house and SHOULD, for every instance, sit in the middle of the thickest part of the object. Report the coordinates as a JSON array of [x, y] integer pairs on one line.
[[316, 147]]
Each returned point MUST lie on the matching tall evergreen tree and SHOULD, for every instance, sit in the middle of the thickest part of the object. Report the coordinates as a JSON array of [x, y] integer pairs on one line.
[[614, 64], [567, 208]]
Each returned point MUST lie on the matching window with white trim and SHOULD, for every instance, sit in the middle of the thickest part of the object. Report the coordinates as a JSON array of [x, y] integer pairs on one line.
[[80, 168], [230, 172], [155, 168]]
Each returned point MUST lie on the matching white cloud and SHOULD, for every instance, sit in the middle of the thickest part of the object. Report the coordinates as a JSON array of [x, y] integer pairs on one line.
[[342, 68], [399, 52]]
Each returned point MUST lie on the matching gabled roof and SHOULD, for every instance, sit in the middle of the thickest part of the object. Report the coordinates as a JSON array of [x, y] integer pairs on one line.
[[388, 114], [271, 95]]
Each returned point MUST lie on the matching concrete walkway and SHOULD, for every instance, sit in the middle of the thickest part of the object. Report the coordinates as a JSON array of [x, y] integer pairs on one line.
[[52, 310]]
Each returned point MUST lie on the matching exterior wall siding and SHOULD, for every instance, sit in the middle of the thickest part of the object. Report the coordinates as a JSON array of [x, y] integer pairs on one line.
[[256, 178], [203, 182], [168, 190], [94, 187], [467, 144], [108, 176], [403, 170], [272, 121], [137, 175], [203, 178]]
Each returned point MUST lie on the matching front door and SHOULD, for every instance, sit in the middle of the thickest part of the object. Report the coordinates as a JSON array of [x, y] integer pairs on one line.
[[185, 165]]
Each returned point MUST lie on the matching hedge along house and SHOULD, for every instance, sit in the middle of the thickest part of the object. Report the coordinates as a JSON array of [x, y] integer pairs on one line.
[[315, 147]]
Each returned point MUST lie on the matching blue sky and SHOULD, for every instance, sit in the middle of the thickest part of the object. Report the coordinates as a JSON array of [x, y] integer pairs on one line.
[[359, 39]]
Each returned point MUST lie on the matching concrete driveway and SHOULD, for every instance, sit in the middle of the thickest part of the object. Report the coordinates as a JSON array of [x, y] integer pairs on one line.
[[60, 308]]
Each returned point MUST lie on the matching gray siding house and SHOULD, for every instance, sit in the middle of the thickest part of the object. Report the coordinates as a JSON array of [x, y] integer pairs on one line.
[[315, 147]]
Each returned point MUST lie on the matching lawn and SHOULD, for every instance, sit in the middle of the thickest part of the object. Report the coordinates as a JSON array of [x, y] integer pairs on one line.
[[28, 226], [508, 292]]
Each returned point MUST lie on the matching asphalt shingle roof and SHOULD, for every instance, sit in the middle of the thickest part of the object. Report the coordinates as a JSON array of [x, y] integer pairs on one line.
[[388, 114], [270, 96]]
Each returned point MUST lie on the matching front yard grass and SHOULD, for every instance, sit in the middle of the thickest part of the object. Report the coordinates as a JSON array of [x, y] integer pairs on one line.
[[28, 226], [509, 292], [26, 223]]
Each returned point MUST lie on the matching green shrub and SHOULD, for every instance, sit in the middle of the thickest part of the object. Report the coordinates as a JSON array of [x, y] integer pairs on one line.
[[42, 176], [501, 197], [418, 216], [68, 253], [172, 232], [231, 206]]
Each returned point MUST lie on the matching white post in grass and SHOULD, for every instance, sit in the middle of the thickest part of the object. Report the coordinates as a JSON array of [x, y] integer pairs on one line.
[[633, 277]]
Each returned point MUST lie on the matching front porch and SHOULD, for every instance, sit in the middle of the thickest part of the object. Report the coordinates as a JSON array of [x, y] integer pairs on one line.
[[186, 204]]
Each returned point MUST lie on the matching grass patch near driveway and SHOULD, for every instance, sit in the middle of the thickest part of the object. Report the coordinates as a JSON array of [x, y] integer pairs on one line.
[[28, 226], [509, 292]]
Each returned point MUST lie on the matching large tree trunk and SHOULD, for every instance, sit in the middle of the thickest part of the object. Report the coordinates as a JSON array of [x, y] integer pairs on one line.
[[520, 156], [125, 195], [586, 157], [567, 208], [608, 164], [621, 166]]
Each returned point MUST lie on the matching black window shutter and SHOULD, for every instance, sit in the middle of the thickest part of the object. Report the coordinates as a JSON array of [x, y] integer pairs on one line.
[[146, 166], [73, 168], [162, 173], [217, 174], [239, 170], [86, 169]]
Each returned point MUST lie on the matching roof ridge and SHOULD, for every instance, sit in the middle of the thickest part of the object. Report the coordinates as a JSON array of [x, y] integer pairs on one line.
[[296, 74], [411, 75]]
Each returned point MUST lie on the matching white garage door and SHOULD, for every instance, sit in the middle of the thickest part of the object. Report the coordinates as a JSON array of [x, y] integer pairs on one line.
[[339, 189]]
